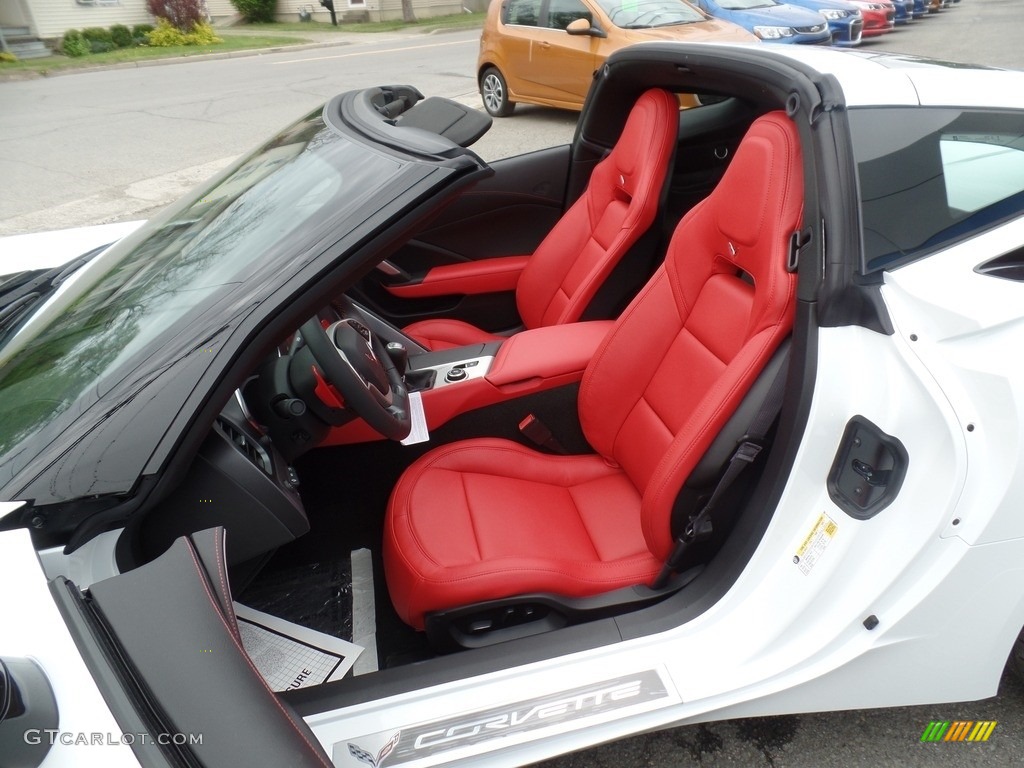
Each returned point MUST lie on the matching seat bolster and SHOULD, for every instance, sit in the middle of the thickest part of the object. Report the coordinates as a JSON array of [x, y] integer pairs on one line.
[[441, 333], [420, 579], [618, 206], [696, 436]]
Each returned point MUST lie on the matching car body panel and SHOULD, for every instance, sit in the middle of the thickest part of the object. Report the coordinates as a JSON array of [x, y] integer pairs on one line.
[[844, 20], [42, 250], [879, 16]]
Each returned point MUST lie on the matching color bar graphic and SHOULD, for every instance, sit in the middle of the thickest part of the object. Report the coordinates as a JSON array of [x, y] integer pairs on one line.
[[958, 730]]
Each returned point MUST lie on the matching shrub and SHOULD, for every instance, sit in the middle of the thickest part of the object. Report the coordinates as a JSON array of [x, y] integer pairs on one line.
[[97, 35], [74, 45], [121, 36], [166, 34], [6, 57], [202, 34], [100, 46], [256, 10], [139, 32], [183, 14]]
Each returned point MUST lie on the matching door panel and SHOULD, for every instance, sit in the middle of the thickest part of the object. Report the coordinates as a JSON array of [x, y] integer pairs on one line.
[[507, 214], [565, 63]]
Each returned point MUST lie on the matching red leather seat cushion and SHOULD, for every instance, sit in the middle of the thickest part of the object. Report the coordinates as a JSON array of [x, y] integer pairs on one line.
[[515, 521]]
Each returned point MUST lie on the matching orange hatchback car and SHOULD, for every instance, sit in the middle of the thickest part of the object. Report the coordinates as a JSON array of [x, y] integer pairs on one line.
[[546, 51]]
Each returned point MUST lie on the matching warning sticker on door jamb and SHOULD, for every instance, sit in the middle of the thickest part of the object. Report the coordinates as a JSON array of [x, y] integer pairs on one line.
[[814, 543]]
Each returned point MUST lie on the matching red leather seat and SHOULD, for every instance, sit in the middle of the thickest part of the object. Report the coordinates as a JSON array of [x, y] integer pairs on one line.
[[482, 519], [619, 205]]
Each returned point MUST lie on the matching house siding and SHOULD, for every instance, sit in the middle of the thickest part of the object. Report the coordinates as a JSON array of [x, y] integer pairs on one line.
[[376, 10], [385, 10], [52, 18]]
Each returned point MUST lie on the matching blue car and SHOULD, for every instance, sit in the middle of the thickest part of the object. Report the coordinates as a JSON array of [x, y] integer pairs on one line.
[[771, 21], [904, 11], [844, 20]]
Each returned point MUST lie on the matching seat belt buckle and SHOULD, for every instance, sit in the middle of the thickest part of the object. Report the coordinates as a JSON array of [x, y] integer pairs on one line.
[[537, 432]]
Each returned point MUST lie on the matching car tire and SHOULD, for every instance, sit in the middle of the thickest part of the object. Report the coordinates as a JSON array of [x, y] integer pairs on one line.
[[494, 92], [1016, 660]]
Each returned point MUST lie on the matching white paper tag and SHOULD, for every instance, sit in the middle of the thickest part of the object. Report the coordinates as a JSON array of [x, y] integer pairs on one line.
[[419, 432]]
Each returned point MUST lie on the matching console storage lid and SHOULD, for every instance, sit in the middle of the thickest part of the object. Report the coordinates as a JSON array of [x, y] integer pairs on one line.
[[547, 353]]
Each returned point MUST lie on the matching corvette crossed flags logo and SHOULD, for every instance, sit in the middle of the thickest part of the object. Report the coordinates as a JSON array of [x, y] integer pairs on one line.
[[363, 756]]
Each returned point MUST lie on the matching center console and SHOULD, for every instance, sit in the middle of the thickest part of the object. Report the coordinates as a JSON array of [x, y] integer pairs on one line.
[[454, 381]]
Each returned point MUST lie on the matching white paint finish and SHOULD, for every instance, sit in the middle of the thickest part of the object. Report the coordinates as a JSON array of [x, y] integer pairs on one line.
[[970, 333], [33, 628], [93, 561], [50, 249]]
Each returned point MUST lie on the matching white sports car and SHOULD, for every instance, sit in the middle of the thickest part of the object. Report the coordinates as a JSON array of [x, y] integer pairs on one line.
[[370, 452]]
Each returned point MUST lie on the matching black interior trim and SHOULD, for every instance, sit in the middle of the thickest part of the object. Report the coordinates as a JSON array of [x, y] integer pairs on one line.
[[166, 618], [126, 701]]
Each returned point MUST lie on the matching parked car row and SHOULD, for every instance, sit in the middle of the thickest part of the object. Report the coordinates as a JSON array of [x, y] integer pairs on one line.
[[546, 51]]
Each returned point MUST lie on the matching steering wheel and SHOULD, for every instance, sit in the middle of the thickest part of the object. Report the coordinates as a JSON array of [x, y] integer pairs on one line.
[[353, 359]]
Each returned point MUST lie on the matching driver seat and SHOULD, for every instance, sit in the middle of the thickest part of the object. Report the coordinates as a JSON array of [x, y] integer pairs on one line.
[[484, 519], [618, 206]]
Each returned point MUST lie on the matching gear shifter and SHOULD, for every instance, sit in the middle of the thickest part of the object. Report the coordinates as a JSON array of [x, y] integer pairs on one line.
[[399, 356]]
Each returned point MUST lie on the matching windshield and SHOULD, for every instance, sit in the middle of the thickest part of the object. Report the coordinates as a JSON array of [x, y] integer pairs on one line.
[[172, 269], [745, 5], [643, 14]]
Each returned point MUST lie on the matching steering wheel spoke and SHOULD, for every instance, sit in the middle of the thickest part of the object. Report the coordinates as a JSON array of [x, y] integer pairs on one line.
[[354, 361]]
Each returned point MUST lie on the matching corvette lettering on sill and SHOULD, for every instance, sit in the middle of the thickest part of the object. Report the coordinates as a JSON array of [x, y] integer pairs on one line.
[[621, 695]]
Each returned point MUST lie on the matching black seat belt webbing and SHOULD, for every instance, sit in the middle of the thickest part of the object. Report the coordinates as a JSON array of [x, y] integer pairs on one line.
[[699, 526]]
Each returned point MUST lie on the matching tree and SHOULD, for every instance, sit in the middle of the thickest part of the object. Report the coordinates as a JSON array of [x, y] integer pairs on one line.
[[184, 14]]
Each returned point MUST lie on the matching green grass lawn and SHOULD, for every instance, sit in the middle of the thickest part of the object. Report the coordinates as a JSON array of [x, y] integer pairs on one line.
[[229, 43]]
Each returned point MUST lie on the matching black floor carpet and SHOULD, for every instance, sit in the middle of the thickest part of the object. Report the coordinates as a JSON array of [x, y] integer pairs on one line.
[[345, 491], [314, 595]]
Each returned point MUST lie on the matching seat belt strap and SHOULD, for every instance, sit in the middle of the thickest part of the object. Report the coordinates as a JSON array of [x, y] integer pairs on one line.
[[699, 527]]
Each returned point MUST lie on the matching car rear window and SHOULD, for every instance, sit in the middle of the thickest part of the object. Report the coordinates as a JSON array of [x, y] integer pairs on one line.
[[932, 177]]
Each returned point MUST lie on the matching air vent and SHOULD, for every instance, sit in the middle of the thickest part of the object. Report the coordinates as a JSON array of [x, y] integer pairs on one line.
[[248, 447], [1009, 266]]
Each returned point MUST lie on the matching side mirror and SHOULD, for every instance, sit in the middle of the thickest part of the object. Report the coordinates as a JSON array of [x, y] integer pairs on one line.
[[583, 27]]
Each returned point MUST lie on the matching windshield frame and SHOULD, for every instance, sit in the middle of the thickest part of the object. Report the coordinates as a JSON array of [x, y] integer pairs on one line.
[[176, 368]]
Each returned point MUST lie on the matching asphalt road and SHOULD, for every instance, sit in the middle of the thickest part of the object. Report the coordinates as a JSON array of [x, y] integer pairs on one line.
[[112, 145]]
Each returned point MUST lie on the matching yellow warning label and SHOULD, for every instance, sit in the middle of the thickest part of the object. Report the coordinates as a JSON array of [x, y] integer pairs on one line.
[[814, 543]]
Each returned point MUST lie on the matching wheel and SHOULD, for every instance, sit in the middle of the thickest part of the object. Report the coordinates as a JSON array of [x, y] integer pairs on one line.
[[494, 92], [1016, 660]]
